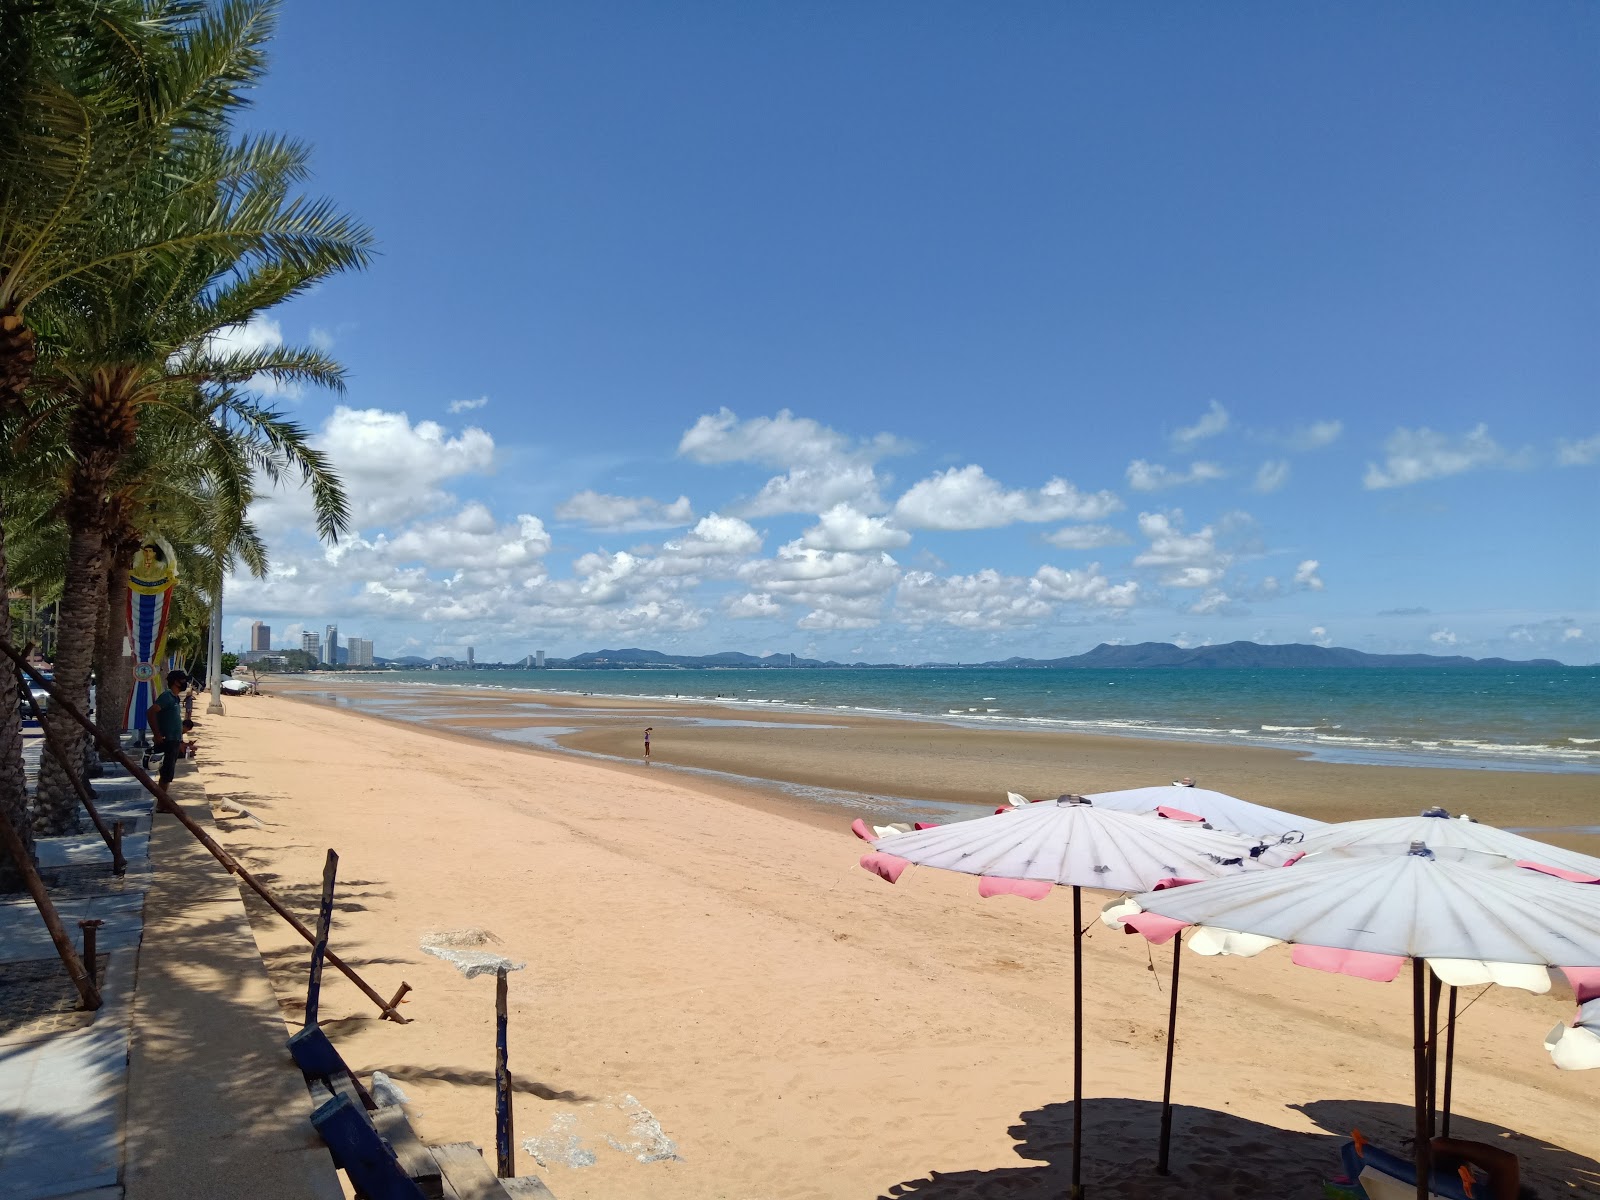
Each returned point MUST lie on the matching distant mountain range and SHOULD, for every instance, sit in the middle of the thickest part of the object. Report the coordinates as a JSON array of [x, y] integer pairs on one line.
[[1233, 655]]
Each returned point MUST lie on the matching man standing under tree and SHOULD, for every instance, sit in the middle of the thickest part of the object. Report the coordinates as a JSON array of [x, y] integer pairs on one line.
[[166, 724]]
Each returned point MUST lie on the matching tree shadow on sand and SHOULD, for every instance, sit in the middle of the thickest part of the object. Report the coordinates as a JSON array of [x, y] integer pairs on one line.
[[1220, 1156]]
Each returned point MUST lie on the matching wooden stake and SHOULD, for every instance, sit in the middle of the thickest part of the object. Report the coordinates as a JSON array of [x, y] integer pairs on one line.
[[502, 1083], [165, 804], [319, 947]]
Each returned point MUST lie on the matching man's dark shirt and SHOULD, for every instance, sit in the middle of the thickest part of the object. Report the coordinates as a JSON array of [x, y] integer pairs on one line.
[[166, 717]]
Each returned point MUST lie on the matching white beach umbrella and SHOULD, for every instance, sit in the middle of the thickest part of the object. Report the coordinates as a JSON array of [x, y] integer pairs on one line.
[[1071, 842], [1447, 903], [1217, 809], [1076, 844], [1438, 829], [1576, 1047]]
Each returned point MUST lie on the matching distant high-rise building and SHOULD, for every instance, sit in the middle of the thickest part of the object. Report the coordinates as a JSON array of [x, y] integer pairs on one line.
[[330, 646], [311, 644], [538, 659], [359, 652], [470, 663], [260, 636]]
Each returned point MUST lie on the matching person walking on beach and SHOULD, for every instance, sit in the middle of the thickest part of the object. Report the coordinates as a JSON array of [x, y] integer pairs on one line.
[[647, 745], [166, 724]]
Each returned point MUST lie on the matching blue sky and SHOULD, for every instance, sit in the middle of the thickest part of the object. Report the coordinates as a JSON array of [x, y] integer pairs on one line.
[[906, 331]]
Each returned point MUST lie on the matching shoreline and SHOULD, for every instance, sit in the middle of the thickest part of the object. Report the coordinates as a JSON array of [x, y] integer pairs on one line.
[[1541, 759], [888, 768]]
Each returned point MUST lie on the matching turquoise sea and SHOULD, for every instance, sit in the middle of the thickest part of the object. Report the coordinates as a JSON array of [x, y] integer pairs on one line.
[[1541, 719]]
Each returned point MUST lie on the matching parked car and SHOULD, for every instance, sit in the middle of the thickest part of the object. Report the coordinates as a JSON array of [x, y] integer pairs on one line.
[[41, 696]]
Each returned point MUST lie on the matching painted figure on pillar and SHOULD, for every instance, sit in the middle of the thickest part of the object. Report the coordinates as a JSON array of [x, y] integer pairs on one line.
[[149, 604]]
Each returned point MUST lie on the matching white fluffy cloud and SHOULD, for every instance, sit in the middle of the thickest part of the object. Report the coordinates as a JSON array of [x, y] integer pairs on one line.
[[1087, 587], [461, 406], [844, 528], [469, 538], [1187, 560], [967, 498], [1305, 576], [1578, 452], [1272, 475], [989, 599], [844, 589], [1212, 422], [1415, 455], [1086, 537], [1442, 637], [1153, 477], [753, 605], [624, 514], [822, 467], [713, 537], [1319, 636]]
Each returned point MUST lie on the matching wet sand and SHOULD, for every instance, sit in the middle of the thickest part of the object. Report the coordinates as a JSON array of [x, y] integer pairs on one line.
[[884, 760]]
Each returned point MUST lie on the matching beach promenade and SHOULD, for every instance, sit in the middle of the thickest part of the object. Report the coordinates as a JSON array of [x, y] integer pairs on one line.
[[718, 1002]]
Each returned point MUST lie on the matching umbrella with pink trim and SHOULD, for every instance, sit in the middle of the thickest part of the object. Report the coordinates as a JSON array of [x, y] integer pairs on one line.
[[1071, 842], [1423, 904], [1178, 802], [1438, 829]]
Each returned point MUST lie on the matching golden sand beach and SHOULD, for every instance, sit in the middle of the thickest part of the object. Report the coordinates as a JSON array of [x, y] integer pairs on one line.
[[718, 1002]]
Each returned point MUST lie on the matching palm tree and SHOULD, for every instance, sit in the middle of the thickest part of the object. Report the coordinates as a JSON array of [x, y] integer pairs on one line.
[[91, 93], [153, 335]]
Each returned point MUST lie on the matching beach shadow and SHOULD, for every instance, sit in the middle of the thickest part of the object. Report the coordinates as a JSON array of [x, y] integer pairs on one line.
[[1218, 1155], [1548, 1170], [466, 1077]]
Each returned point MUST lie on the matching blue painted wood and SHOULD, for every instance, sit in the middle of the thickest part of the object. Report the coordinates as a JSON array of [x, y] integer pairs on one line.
[[314, 1054], [361, 1153], [319, 947]]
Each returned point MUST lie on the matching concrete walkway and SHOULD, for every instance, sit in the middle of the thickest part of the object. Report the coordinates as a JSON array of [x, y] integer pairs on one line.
[[214, 1099], [180, 1085]]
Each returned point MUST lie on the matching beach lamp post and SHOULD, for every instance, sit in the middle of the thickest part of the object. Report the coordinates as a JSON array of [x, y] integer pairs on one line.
[[214, 659], [1069, 842], [464, 949], [1368, 910]]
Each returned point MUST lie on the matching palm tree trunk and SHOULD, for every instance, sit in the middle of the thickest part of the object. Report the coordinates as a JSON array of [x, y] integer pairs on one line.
[[114, 670], [82, 595], [13, 784]]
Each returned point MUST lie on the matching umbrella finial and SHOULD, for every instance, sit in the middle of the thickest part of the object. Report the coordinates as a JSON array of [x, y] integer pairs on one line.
[[1436, 811], [1073, 799], [1420, 850]]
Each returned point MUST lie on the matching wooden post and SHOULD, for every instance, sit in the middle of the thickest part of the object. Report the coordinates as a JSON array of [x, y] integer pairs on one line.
[[1172, 1031], [1077, 1043], [1419, 1068], [85, 796], [82, 980], [165, 804], [319, 947], [1449, 1061], [91, 959], [1435, 985], [502, 1084]]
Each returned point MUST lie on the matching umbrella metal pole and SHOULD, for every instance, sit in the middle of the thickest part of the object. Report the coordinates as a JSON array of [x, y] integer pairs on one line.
[[1166, 1088], [1077, 1043], [1435, 986], [505, 1162], [1419, 1067], [1449, 1061]]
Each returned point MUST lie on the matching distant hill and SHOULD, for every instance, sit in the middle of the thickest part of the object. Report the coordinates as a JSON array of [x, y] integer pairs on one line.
[[1235, 655], [1254, 656]]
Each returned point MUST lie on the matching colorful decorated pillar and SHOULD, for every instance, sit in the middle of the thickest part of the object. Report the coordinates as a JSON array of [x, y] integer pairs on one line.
[[149, 603]]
